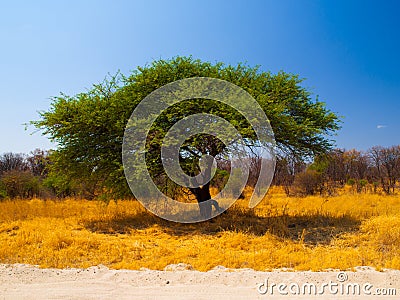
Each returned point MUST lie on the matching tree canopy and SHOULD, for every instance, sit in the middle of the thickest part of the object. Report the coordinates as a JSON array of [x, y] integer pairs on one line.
[[89, 127]]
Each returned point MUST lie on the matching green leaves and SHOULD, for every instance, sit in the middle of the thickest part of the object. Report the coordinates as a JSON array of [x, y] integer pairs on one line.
[[89, 127]]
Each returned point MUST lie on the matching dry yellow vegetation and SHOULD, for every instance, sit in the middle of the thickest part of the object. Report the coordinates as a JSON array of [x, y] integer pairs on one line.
[[311, 233]]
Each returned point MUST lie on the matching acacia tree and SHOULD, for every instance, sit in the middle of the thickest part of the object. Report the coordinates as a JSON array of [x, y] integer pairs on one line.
[[89, 127]]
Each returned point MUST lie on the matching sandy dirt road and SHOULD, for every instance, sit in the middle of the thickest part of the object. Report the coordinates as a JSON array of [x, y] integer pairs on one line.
[[29, 282]]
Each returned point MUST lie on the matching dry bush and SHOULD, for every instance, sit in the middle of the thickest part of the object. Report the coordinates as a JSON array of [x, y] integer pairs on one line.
[[307, 183]]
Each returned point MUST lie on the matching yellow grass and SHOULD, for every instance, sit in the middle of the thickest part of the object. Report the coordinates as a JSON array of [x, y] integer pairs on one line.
[[309, 233]]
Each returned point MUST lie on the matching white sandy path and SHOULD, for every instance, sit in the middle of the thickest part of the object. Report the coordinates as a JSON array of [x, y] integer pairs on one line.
[[28, 282]]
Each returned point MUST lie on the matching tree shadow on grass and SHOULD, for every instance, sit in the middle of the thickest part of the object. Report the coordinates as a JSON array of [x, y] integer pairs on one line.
[[312, 229]]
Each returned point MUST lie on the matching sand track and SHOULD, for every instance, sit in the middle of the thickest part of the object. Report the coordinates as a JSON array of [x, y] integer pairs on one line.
[[20, 281]]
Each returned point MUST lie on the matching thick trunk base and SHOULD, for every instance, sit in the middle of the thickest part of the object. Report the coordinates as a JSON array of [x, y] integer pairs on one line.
[[205, 202]]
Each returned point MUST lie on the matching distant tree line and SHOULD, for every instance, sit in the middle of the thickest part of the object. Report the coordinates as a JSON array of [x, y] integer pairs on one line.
[[376, 170], [29, 176]]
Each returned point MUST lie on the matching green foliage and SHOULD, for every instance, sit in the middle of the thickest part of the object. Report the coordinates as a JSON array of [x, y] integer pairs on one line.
[[363, 182], [320, 164], [89, 127], [59, 184], [351, 181]]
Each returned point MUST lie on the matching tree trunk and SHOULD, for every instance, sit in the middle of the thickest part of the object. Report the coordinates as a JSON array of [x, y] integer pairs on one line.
[[205, 202]]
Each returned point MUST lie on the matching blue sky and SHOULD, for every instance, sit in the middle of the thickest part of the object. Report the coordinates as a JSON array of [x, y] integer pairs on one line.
[[348, 51]]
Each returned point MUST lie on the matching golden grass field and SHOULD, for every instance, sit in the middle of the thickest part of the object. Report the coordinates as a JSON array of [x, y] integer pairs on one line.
[[311, 233]]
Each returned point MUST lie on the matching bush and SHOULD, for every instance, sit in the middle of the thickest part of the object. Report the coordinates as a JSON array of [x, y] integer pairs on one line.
[[358, 185], [59, 185], [20, 184], [307, 183]]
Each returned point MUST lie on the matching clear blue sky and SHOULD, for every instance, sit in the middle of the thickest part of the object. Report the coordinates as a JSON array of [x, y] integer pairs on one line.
[[348, 51]]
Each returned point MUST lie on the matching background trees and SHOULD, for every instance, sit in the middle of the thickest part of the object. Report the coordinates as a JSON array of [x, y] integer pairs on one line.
[[376, 170], [21, 176], [12, 161], [385, 164]]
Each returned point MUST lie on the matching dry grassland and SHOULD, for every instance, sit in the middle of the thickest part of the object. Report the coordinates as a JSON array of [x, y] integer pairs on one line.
[[311, 233]]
